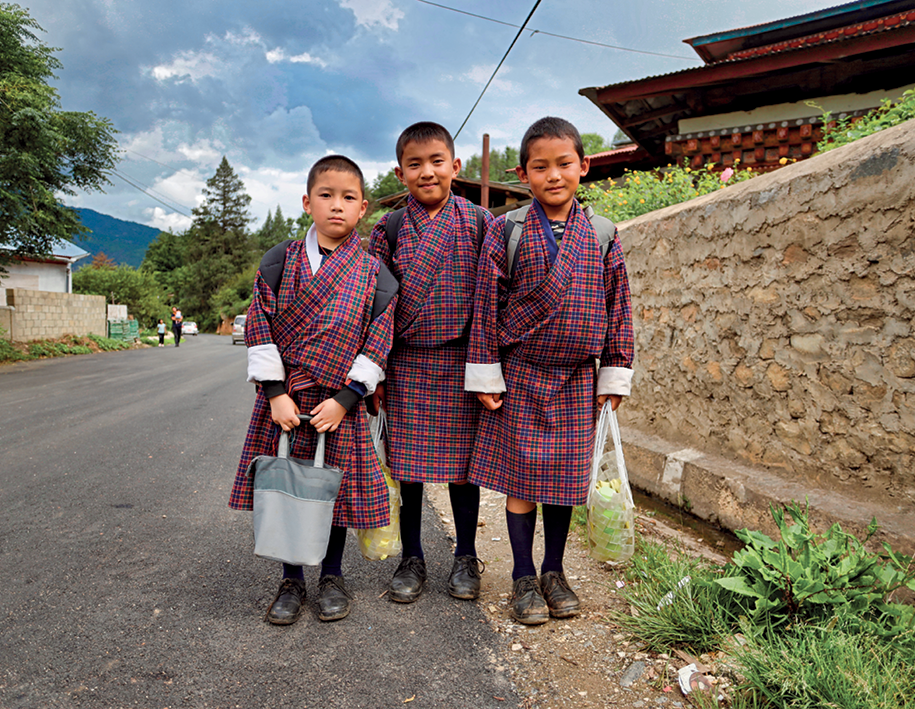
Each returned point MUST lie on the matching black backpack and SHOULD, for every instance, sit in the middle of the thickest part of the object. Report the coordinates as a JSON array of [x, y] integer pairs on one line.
[[392, 227], [514, 225], [274, 261]]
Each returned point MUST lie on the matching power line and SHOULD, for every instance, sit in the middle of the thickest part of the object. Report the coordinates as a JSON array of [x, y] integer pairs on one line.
[[145, 190], [560, 36], [504, 57]]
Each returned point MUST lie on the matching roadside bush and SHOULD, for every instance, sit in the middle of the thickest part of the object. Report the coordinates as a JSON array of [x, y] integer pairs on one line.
[[106, 344]]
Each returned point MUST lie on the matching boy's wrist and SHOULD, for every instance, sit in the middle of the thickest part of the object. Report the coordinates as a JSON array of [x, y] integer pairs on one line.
[[272, 388]]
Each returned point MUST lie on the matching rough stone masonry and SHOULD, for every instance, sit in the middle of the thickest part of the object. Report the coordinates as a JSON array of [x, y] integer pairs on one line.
[[774, 322]]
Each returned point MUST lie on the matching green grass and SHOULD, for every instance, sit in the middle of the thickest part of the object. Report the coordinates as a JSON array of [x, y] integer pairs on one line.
[[812, 666], [72, 345], [670, 610]]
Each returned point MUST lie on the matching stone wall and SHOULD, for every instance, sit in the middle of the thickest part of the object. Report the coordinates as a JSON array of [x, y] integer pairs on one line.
[[37, 315], [774, 321]]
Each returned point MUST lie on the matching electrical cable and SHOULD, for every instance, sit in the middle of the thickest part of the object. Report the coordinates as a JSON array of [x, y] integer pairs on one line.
[[138, 186], [501, 62], [560, 36]]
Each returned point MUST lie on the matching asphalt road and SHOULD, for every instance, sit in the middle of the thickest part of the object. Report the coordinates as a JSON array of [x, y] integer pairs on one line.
[[127, 581]]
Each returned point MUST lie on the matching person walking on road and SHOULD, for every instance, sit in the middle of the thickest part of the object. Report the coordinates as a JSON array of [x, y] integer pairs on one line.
[[160, 328], [177, 318]]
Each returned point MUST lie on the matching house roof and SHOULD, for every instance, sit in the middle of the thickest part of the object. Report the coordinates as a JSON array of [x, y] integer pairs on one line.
[[857, 57], [61, 251], [721, 45]]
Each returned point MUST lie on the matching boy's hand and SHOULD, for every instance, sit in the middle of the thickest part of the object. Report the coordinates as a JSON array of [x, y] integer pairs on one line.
[[376, 400], [615, 401], [490, 401], [284, 411], [327, 415]]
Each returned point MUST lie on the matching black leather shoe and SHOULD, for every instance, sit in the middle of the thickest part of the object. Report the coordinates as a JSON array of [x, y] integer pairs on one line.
[[527, 604], [287, 606], [407, 584], [464, 582], [333, 598], [559, 597]]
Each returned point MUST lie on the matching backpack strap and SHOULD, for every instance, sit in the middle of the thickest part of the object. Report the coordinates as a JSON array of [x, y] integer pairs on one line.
[[273, 263], [392, 228], [514, 226], [605, 229], [386, 287]]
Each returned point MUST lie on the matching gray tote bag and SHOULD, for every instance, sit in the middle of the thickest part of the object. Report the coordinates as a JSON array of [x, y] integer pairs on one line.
[[293, 504]]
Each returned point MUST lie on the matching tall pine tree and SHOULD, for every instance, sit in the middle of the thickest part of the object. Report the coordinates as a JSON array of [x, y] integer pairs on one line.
[[219, 245]]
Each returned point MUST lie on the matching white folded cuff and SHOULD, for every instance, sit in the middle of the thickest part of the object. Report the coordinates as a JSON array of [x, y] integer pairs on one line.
[[484, 378], [614, 380], [366, 372], [265, 364]]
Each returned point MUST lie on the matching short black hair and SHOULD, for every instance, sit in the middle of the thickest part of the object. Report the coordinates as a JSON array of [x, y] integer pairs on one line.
[[550, 127], [335, 163], [423, 132]]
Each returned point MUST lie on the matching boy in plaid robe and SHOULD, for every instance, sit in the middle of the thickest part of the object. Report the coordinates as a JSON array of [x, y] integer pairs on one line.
[[536, 334], [314, 347], [431, 420]]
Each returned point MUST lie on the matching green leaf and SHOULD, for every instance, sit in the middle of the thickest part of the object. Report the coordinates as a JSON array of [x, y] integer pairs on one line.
[[737, 584]]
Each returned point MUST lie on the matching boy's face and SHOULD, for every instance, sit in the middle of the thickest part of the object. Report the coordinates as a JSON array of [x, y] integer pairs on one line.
[[427, 170], [553, 171], [336, 204]]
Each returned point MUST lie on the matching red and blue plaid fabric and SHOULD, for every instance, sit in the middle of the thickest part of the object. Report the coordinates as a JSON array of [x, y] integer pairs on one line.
[[317, 354], [549, 324], [431, 419]]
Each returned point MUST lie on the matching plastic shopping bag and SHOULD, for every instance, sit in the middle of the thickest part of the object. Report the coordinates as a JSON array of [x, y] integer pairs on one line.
[[380, 543], [611, 510]]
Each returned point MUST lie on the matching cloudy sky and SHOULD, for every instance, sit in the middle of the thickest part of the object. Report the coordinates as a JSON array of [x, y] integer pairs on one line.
[[275, 84]]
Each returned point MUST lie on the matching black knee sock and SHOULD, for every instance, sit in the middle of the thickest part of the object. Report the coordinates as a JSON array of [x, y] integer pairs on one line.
[[556, 521], [465, 506], [290, 571], [333, 559], [411, 519], [521, 536]]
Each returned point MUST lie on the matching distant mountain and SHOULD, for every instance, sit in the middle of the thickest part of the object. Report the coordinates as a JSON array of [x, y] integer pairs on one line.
[[121, 241]]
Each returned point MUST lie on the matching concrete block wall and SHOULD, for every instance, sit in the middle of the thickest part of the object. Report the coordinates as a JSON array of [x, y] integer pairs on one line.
[[36, 315], [774, 321]]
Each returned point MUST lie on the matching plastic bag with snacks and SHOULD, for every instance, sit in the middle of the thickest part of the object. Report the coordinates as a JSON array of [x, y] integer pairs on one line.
[[611, 510], [380, 543]]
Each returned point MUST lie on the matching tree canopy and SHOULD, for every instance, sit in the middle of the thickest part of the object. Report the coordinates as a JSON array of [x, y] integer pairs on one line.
[[45, 152]]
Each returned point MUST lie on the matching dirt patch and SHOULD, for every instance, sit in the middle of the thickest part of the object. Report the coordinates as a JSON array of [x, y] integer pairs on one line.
[[579, 662]]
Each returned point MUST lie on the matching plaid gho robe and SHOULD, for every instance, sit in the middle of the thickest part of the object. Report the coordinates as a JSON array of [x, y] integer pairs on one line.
[[545, 325], [431, 419], [317, 355]]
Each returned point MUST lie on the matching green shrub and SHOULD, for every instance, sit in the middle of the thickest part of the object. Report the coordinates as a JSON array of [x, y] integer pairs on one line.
[[845, 131], [151, 341], [106, 344], [640, 192]]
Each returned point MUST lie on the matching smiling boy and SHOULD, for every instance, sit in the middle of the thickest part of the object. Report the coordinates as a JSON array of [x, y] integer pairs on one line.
[[431, 419], [538, 328], [317, 343]]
